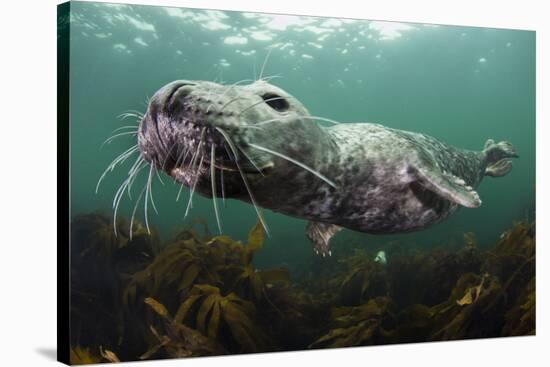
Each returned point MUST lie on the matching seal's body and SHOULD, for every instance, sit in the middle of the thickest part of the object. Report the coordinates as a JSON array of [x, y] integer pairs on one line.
[[259, 144]]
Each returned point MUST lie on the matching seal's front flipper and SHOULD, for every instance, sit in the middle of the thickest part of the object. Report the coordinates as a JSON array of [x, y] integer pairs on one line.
[[320, 234], [448, 187]]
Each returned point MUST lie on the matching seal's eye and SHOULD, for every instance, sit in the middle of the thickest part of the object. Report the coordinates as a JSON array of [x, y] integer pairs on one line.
[[276, 102]]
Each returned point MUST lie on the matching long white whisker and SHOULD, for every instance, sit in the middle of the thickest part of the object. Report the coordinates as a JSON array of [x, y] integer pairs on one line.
[[120, 159], [147, 187], [123, 186], [236, 84], [197, 177], [150, 183], [179, 192], [265, 62], [334, 122], [251, 161], [228, 89], [134, 111], [134, 127], [197, 171], [124, 116], [119, 194], [134, 212], [245, 181], [229, 102], [260, 102], [223, 187], [292, 160], [193, 157], [213, 181], [108, 141], [133, 173], [268, 78], [158, 176]]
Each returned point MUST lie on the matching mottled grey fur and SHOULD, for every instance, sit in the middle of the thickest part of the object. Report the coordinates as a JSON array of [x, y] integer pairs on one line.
[[387, 180]]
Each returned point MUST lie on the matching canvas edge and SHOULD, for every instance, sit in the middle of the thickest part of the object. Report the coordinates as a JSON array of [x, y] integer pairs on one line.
[[63, 184]]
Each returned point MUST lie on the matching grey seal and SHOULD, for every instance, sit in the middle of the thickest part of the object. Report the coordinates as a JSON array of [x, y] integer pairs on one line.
[[259, 144]]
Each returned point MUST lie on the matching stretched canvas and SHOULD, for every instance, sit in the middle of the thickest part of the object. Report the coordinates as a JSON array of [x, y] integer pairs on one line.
[[244, 182]]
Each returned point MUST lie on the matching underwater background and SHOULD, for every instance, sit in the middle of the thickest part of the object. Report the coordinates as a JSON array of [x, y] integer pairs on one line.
[[461, 85]]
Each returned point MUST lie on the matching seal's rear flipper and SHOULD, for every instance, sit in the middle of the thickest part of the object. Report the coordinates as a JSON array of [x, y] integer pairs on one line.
[[447, 186], [320, 234], [497, 155], [499, 168]]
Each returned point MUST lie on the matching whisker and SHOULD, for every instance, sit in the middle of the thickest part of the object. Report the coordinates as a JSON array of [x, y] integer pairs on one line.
[[193, 157], [135, 127], [334, 122], [150, 183], [119, 194], [223, 187], [124, 185], [268, 78], [159, 178], [192, 165], [146, 200], [134, 212], [109, 140], [230, 101], [265, 62], [197, 177], [120, 159], [245, 181], [133, 173], [168, 155], [260, 102], [213, 181], [137, 116], [236, 84], [179, 192], [229, 88], [135, 111], [182, 157], [248, 127], [292, 160], [251, 161]]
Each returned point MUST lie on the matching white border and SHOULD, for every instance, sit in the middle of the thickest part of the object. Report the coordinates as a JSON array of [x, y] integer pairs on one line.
[[28, 136]]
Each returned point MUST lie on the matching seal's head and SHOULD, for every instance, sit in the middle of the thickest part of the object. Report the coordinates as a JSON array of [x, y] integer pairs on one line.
[[195, 128]]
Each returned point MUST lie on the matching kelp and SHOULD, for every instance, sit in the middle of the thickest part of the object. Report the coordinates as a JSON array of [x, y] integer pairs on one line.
[[213, 314], [174, 340], [520, 319], [101, 264], [199, 294], [359, 325], [364, 279], [79, 355]]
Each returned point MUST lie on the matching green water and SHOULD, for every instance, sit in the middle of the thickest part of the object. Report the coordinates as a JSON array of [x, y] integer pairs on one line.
[[459, 84]]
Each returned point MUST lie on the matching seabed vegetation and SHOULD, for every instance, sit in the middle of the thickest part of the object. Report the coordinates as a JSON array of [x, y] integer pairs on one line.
[[133, 297]]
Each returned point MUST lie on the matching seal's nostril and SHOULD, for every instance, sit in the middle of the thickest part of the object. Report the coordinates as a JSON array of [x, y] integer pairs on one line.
[[179, 90]]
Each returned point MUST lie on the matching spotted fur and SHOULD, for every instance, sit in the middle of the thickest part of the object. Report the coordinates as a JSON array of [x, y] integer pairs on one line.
[[387, 180]]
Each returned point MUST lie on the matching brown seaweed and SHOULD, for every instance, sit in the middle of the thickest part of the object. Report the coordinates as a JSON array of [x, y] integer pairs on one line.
[[203, 295]]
